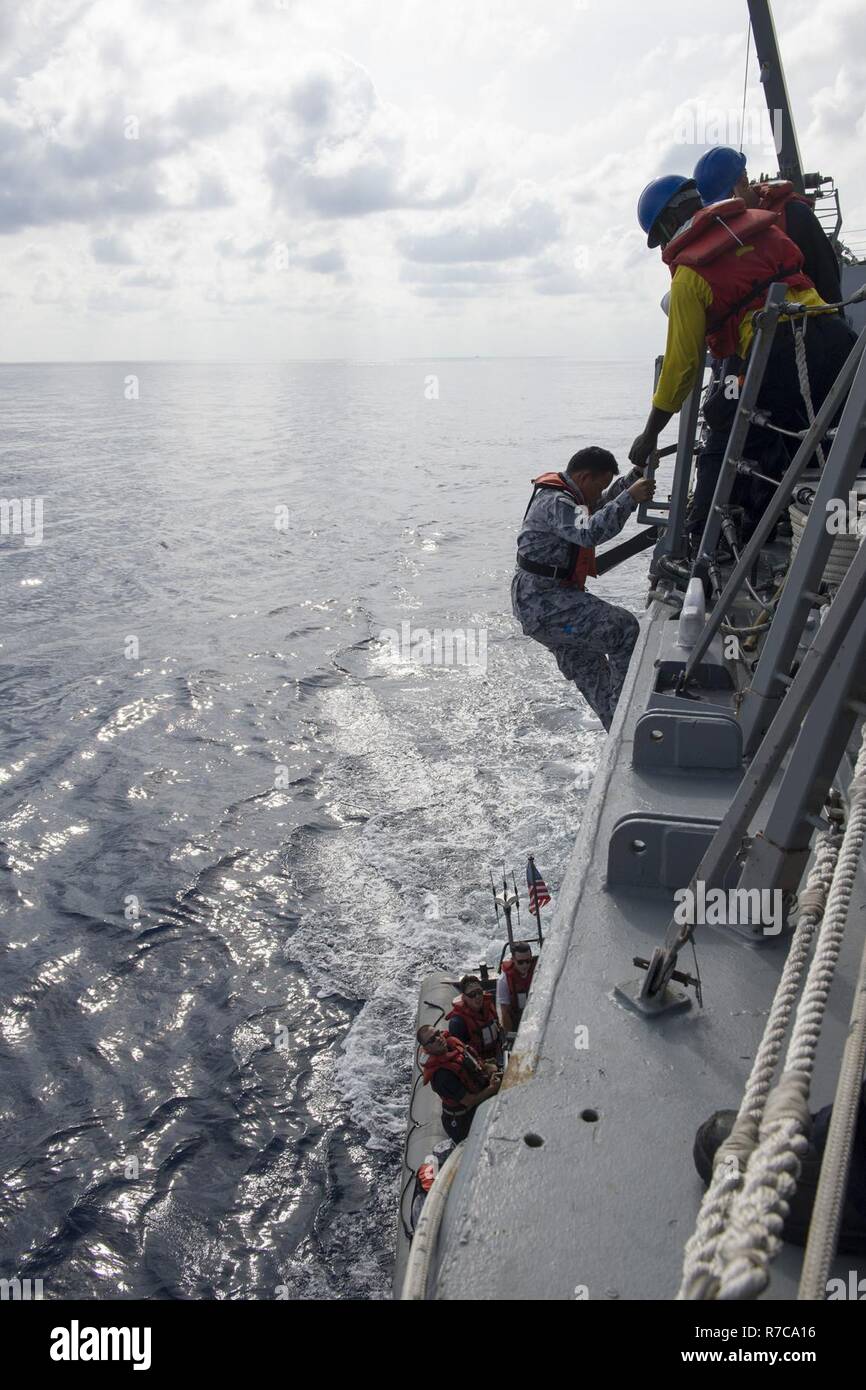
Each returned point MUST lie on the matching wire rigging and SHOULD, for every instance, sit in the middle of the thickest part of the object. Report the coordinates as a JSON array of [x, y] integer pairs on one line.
[[745, 84]]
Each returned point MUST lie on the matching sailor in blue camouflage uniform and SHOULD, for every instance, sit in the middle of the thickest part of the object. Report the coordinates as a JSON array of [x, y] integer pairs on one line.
[[568, 515]]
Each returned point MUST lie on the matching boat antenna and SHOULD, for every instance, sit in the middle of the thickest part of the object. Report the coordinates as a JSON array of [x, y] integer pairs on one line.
[[495, 899], [507, 898]]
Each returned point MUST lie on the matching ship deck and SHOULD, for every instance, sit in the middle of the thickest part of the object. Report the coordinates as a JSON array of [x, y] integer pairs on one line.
[[603, 1205]]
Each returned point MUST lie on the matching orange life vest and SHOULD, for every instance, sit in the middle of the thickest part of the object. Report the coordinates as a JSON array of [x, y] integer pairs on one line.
[[580, 560], [483, 1028], [776, 195], [465, 1065], [518, 985], [710, 242]]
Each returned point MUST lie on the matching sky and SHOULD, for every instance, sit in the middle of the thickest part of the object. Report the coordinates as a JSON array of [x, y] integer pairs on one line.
[[246, 180]]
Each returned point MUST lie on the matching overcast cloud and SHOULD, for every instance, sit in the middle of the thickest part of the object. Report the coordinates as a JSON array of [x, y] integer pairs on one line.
[[276, 178]]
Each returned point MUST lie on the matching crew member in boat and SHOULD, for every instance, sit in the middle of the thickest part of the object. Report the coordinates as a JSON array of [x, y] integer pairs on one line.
[[568, 515], [723, 260], [459, 1078], [512, 987], [721, 174], [474, 1021]]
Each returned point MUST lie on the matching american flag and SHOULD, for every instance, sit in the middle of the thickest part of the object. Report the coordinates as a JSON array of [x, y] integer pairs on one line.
[[538, 894]]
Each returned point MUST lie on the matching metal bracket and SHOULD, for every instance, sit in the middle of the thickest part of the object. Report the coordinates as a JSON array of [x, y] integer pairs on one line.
[[668, 1000], [668, 739], [658, 852]]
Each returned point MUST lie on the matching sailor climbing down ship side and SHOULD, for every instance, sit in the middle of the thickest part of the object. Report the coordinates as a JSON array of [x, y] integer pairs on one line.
[[568, 515]]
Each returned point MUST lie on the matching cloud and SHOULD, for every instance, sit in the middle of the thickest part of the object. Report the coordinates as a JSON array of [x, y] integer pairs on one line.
[[227, 246], [527, 225], [148, 280], [111, 303], [94, 165], [565, 282], [478, 274], [335, 150], [112, 250], [280, 150], [330, 262]]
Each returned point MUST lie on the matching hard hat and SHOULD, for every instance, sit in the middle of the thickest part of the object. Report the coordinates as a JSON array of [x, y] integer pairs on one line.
[[717, 171], [655, 198]]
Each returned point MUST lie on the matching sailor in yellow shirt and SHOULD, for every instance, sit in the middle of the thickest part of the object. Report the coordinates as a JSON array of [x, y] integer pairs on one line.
[[736, 253], [691, 299]]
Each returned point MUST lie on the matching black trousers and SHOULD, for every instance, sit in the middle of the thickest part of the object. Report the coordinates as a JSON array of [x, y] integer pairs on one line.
[[828, 342], [457, 1126]]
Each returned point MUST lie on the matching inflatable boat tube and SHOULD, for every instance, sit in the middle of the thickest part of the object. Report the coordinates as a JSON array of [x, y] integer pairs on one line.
[[424, 1130]]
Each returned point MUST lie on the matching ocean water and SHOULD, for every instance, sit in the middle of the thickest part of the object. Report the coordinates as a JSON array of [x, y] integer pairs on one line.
[[245, 804]]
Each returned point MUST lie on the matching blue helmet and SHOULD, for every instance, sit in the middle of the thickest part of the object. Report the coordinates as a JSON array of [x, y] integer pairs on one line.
[[717, 171], [655, 198]]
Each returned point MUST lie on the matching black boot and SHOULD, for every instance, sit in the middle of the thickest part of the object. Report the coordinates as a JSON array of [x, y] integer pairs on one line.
[[852, 1234]]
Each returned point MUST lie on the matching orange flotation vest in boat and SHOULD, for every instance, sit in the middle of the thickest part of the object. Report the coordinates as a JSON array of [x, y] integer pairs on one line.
[[579, 563], [740, 252], [518, 985], [483, 1028], [465, 1065]]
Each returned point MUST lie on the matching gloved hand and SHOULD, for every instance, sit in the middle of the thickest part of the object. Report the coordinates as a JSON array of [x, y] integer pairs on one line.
[[641, 449]]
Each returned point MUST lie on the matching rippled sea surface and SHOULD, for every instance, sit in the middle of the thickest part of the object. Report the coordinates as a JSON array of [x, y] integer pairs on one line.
[[239, 820]]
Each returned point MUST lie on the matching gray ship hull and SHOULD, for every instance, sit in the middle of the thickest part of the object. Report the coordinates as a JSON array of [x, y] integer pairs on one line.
[[602, 1208]]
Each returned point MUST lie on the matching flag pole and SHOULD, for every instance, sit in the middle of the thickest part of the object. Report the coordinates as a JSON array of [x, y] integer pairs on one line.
[[537, 903]]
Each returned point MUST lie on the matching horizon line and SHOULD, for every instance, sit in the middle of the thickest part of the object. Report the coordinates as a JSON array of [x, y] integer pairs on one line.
[[287, 361]]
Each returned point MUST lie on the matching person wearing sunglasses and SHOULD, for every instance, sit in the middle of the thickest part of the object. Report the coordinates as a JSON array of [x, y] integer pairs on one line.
[[512, 989], [474, 1021], [460, 1079]]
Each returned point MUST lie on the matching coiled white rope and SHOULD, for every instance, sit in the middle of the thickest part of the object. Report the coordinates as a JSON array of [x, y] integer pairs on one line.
[[740, 1231], [700, 1277], [803, 375], [833, 1184]]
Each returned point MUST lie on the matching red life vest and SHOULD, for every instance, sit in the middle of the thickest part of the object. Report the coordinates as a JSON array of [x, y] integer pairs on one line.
[[580, 560], [465, 1065], [775, 197], [518, 985], [483, 1028], [709, 244]]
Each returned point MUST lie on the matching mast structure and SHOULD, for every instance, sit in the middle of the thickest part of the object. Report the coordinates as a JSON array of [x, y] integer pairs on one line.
[[776, 92]]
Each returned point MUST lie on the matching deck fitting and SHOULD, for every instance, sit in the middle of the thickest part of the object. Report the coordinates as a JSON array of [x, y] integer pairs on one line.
[[666, 1001]]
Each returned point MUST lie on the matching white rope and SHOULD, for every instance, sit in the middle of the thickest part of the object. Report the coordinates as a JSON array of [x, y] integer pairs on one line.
[[829, 1204], [803, 375], [699, 1281], [759, 1208]]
